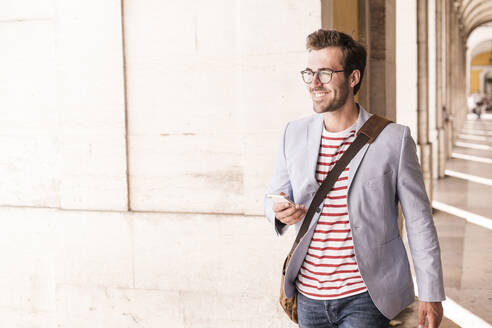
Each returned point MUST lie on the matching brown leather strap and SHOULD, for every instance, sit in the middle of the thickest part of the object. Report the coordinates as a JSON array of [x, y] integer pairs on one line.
[[366, 134], [373, 126]]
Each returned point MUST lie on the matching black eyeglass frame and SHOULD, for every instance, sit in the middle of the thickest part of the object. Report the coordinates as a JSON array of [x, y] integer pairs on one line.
[[316, 74]]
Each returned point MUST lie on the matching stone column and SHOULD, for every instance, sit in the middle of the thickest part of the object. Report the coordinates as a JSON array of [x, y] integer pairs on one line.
[[377, 31], [463, 107], [458, 109], [448, 125], [423, 95], [455, 66], [364, 19], [327, 14], [441, 148]]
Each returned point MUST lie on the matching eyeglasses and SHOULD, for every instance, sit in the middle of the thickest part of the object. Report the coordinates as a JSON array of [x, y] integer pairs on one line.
[[324, 75]]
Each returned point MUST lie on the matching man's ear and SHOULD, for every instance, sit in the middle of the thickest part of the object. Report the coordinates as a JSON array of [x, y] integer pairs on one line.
[[354, 78]]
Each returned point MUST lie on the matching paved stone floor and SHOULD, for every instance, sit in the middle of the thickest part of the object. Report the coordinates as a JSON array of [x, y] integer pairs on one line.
[[408, 319]]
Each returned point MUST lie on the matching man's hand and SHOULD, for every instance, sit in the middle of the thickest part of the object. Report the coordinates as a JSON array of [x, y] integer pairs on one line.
[[432, 311], [287, 213]]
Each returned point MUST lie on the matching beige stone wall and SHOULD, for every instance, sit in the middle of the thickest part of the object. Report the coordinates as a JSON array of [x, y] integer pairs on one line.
[[93, 269], [28, 137], [209, 86], [90, 103], [62, 128]]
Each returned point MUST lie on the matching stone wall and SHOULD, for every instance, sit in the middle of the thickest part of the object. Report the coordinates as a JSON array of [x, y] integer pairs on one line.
[[95, 269], [156, 106], [209, 89]]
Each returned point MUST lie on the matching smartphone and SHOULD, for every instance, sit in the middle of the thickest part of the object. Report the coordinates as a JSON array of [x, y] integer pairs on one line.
[[280, 199]]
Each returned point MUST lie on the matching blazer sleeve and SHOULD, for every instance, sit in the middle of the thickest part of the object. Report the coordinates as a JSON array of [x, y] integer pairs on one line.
[[422, 235], [280, 183]]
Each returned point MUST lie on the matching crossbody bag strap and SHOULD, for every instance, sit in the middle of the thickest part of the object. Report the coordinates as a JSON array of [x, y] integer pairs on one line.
[[366, 134]]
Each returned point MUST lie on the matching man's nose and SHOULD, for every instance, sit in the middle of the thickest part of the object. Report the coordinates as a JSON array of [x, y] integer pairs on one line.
[[315, 82]]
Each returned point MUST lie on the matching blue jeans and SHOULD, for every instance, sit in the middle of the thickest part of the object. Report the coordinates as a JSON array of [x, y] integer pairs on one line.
[[357, 311]]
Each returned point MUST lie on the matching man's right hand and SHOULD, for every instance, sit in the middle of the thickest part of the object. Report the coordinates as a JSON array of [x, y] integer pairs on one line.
[[287, 213]]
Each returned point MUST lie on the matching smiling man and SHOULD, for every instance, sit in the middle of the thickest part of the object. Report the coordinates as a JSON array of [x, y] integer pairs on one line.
[[350, 269]]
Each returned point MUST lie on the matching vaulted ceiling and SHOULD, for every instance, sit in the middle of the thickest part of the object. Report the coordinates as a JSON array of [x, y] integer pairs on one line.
[[484, 46], [474, 13]]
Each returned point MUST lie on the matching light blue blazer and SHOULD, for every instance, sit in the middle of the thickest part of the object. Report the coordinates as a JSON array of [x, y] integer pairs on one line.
[[381, 174]]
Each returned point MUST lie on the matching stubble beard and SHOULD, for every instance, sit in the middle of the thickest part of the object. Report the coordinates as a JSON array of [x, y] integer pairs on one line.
[[333, 104]]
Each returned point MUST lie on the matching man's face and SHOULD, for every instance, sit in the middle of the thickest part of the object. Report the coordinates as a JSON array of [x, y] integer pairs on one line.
[[331, 96]]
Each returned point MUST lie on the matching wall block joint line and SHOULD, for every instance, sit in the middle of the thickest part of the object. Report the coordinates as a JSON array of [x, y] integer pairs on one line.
[[123, 46]]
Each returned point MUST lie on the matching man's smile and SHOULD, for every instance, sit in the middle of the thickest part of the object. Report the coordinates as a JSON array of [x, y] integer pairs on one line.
[[319, 94]]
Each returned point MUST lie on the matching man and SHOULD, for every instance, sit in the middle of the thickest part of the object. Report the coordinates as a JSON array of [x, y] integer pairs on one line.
[[351, 269], [478, 101]]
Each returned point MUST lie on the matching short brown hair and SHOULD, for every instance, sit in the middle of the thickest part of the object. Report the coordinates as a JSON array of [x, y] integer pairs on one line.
[[354, 53]]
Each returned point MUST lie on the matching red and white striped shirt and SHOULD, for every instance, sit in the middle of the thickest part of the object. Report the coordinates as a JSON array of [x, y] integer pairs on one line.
[[329, 270]]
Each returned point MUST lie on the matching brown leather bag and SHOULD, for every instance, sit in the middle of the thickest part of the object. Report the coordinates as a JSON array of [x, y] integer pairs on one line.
[[366, 134], [288, 304]]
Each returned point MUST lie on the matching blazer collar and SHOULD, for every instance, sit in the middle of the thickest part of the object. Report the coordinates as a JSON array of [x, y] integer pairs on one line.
[[313, 135], [314, 132]]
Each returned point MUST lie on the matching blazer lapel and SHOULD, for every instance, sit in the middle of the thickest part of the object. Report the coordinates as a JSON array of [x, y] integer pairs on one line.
[[355, 162], [313, 142]]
